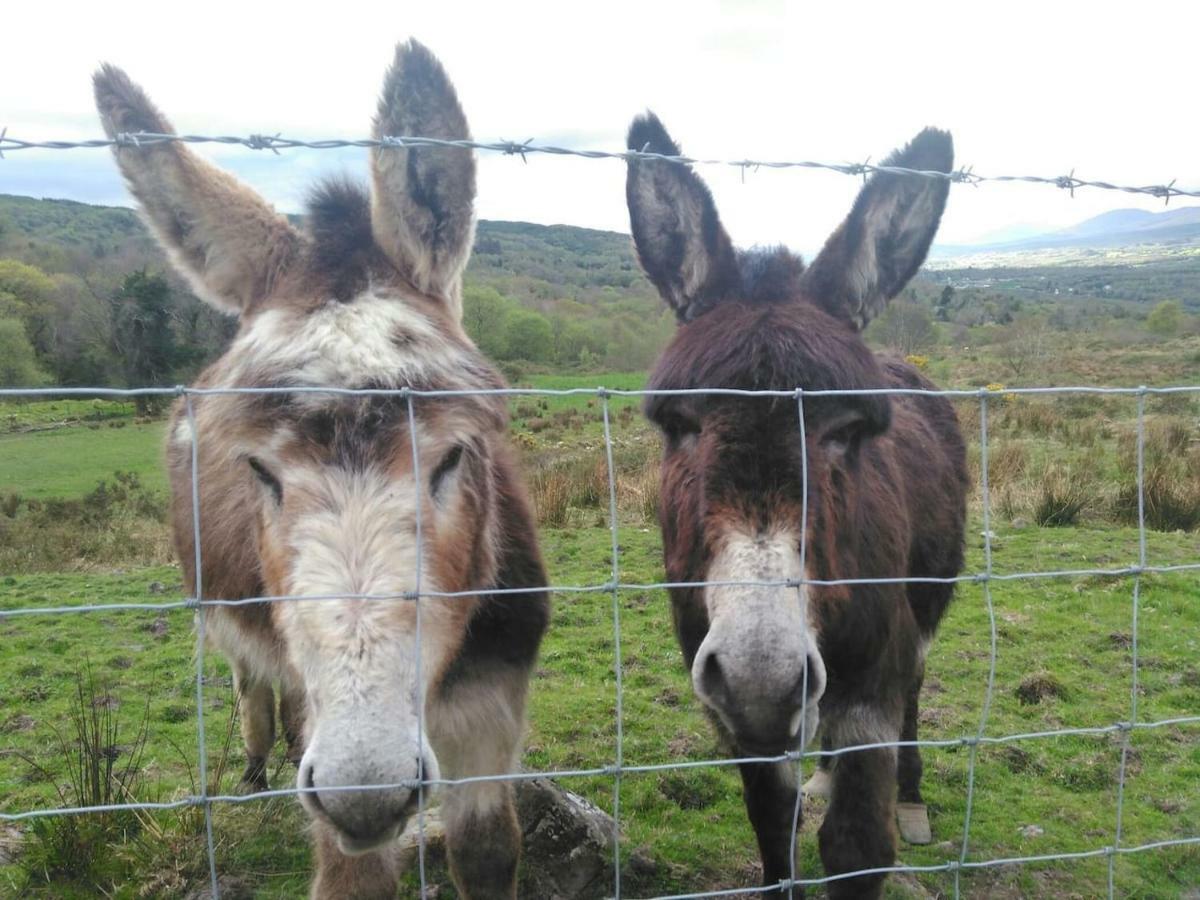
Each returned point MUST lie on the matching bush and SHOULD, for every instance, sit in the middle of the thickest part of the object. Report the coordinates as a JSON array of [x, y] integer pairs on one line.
[[1062, 497], [119, 521], [1170, 477], [102, 766], [1006, 463]]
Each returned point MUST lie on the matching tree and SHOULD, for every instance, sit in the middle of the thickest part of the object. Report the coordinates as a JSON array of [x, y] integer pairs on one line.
[[1023, 348], [905, 327], [141, 334], [947, 305], [1166, 319], [529, 336], [485, 314], [25, 293], [18, 362]]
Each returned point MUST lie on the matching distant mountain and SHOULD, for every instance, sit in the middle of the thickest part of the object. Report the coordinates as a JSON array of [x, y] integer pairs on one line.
[[1174, 228]]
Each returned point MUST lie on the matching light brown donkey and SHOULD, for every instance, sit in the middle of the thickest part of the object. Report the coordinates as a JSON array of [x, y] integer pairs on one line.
[[316, 493]]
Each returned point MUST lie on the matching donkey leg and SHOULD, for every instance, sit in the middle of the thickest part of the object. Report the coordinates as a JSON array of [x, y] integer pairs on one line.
[[820, 783], [769, 790], [365, 876], [913, 817], [909, 767], [476, 731], [291, 715], [858, 830], [256, 703]]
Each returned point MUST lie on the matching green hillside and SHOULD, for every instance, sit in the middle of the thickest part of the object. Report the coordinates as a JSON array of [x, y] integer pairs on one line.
[[537, 297]]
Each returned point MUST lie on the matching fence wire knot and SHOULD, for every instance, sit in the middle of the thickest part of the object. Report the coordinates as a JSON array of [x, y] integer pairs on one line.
[[514, 148], [966, 175], [1165, 191], [1068, 182], [263, 142], [126, 139]]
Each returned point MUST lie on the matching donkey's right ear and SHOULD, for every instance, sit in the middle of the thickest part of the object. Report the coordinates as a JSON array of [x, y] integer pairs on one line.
[[226, 240], [679, 237]]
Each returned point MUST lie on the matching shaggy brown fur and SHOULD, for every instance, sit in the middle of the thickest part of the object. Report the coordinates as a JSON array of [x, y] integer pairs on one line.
[[366, 296], [886, 476]]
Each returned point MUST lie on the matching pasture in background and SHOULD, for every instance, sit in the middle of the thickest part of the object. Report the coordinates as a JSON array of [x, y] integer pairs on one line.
[[73, 531]]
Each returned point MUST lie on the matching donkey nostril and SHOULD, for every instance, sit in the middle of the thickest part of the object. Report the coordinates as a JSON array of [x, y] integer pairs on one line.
[[310, 786], [808, 686], [815, 687], [712, 678]]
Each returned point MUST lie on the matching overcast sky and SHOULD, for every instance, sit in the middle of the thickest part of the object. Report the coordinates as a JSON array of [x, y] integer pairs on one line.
[[1037, 88]]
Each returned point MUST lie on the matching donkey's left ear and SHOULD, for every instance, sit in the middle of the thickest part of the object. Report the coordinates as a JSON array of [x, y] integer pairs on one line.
[[884, 240], [422, 204]]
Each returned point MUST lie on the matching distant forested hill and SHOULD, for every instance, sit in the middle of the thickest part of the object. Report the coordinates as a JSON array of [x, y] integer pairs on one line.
[[536, 296]]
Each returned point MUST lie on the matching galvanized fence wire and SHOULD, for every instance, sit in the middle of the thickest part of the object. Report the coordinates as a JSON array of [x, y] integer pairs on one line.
[[614, 586], [276, 142]]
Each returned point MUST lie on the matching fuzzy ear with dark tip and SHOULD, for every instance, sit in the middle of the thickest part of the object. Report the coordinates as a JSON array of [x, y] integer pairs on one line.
[[226, 240], [884, 240], [422, 205], [680, 241]]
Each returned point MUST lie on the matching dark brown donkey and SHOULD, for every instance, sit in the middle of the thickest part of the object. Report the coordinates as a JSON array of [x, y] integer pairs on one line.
[[314, 493], [886, 494]]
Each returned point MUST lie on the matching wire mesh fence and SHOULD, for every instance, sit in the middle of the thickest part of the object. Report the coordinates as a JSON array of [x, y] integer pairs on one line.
[[617, 767]]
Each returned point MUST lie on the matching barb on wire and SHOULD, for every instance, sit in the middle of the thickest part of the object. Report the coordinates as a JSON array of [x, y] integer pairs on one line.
[[277, 142]]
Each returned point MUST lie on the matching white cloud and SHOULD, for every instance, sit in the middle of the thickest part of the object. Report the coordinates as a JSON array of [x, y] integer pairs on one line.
[[1026, 88]]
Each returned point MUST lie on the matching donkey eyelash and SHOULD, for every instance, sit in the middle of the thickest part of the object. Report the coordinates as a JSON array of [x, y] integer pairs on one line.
[[266, 477], [449, 462]]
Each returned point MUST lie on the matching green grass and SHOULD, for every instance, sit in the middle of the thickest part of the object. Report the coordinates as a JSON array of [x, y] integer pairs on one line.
[[67, 462], [1071, 637], [692, 822]]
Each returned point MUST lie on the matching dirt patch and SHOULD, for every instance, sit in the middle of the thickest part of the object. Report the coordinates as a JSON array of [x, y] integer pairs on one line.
[[1018, 760], [1042, 686], [691, 789], [931, 715], [10, 844], [668, 697], [18, 723]]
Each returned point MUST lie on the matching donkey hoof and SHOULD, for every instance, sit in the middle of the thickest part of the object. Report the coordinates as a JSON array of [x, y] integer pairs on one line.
[[820, 785], [913, 819], [254, 779]]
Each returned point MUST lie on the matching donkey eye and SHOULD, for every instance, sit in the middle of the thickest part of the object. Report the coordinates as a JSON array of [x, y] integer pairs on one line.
[[266, 477], [448, 464], [678, 427]]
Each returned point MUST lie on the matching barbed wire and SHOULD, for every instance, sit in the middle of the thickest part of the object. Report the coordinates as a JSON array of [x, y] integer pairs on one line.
[[276, 142], [620, 767]]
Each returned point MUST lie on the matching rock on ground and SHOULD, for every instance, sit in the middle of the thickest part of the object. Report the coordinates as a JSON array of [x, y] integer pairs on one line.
[[567, 842]]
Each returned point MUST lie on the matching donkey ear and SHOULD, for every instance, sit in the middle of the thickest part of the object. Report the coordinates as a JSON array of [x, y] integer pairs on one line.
[[884, 240], [679, 237], [422, 206], [228, 242]]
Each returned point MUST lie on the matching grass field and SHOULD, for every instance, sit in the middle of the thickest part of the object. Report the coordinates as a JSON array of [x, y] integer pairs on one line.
[[1064, 649]]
